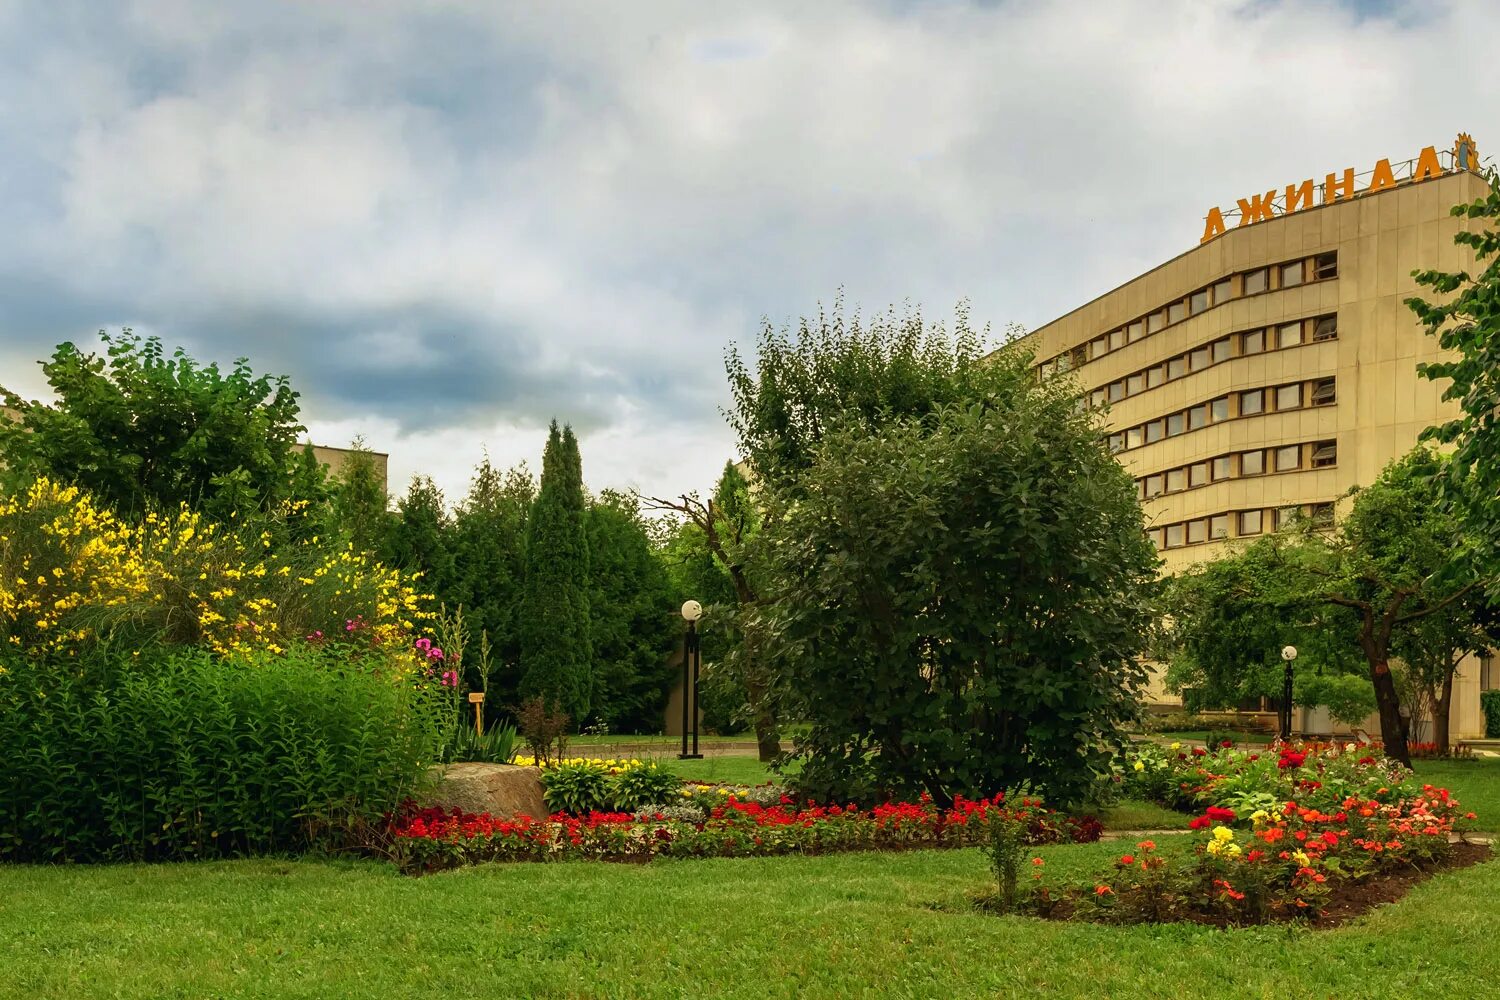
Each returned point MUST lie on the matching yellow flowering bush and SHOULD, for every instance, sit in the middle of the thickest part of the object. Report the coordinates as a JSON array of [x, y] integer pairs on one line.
[[73, 574]]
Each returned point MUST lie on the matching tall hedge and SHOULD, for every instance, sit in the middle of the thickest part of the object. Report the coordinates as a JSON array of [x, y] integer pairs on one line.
[[556, 628]]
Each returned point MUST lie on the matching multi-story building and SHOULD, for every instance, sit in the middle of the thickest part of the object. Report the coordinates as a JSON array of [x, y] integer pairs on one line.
[[1274, 366]]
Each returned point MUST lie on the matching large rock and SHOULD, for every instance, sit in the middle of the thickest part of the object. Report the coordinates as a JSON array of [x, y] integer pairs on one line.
[[499, 789]]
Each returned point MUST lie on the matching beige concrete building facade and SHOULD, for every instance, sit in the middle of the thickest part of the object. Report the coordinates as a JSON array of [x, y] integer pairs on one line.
[[1274, 366]]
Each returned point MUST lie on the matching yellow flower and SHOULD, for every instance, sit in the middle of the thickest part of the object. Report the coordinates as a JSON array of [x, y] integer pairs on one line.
[[1140, 765], [1223, 833]]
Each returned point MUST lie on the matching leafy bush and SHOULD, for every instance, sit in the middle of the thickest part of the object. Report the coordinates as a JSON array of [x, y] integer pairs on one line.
[[578, 786], [545, 729], [1489, 701], [188, 756], [637, 787], [1221, 737]]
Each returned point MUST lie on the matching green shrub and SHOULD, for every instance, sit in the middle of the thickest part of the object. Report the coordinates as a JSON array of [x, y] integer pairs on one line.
[[1218, 737], [1489, 701], [496, 746], [645, 785], [578, 786], [191, 756]]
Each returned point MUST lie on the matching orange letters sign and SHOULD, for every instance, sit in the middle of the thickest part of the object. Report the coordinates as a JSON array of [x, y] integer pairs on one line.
[[1338, 187]]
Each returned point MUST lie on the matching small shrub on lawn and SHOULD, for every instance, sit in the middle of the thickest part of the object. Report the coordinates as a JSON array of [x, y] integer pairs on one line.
[[1489, 703]]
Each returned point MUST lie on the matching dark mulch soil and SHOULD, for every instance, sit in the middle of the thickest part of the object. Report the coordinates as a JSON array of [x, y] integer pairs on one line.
[[1347, 901]]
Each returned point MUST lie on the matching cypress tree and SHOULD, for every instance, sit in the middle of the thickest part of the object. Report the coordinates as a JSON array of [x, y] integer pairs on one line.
[[556, 651]]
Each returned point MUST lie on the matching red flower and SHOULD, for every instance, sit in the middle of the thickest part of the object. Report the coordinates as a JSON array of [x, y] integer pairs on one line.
[[1127, 860], [1218, 813], [1102, 890], [1226, 744]]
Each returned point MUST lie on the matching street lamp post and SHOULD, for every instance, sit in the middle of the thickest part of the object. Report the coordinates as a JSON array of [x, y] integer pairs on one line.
[[692, 661], [1289, 656]]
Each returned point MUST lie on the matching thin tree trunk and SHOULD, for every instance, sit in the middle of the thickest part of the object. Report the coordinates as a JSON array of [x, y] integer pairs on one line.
[[1392, 728], [1442, 709]]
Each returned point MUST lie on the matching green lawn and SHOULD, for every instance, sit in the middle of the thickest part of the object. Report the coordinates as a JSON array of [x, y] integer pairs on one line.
[[1200, 735], [854, 925]]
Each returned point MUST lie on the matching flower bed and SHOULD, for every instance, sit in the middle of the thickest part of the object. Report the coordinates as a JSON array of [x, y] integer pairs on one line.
[[1315, 775], [430, 839], [1291, 865]]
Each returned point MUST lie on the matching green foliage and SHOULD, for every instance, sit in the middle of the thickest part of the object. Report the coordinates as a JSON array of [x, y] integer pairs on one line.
[[578, 786], [497, 745], [360, 506], [642, 785], [1489, 702], [489, 549], [139, 428], [186, 756], [556, 628], [961, 598], [1465, 317], [420, 538], [634, 620]]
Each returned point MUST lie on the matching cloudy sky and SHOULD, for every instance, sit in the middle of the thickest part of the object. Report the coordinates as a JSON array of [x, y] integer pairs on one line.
[[452, 222]]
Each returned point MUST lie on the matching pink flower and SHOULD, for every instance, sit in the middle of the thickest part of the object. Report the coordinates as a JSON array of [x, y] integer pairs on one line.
[[450, 678], [434, 653], [424, 644]]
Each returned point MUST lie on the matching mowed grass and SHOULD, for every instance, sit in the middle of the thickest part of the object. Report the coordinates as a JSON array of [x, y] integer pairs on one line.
[[853, 925], [1475, 783]]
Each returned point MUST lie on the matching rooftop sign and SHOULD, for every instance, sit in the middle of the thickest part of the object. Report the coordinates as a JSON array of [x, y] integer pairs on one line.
[[1338, 187]]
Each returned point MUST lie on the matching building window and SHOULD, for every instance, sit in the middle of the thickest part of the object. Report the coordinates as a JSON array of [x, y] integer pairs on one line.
[[1155, 376], [1116, 443], [1326, 265], [1098, 398], [1198, 302], [1221, 468], [1286, 515], [1154, 486], [1218, 526], [1197, 417], [1176, 367], [1289, 397], [1134, 384], [1256, 281], [1199, 359], [1064, 363], [1291, 274], [1177, 312], [1326, 328], [1174, 535], [1288, 458], [1156, 321], [1252, 463], [1198, 474], [1135, 331], [1221, 350], [1098, 348], [1116, 391], [1323, 393], [1176, 480], [1116, 339], [1252, 402], [1250, 522], [1220, 408], [1321, 515], [1155, 431], [1325, 453], [1197, 531], [1140, 489], [1176, 424], [1134, 438], [1223, 292], [1289, 335], [1155, 536], [1253, 342]]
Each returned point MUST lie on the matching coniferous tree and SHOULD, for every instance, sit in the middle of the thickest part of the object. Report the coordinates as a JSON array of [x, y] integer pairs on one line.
[[633, 617], [421, 540], [556, 646], [360, 503], [489, 547]]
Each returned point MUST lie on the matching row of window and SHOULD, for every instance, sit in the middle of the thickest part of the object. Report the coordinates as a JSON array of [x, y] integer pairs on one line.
[[1239, 465], [1236, 524], [1321, 267], [1246, 403], [1236, 345]]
